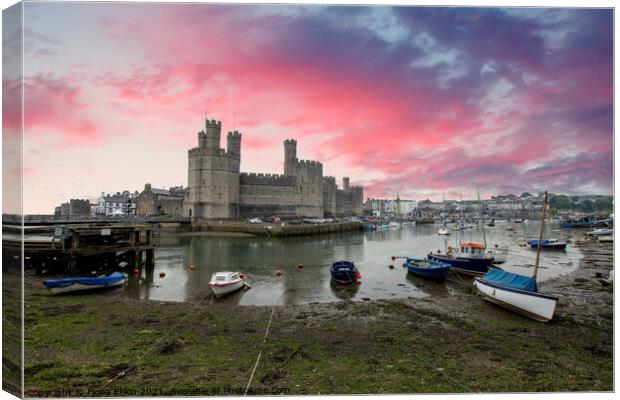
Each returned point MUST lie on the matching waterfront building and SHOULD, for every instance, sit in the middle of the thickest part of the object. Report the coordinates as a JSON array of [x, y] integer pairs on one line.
[[394, 207], [153, 201], [73, 207], [217, 188], [118, 204]]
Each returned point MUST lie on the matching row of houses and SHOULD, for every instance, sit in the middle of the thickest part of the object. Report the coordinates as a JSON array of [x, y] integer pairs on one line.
[[497, 205], [151, 201]]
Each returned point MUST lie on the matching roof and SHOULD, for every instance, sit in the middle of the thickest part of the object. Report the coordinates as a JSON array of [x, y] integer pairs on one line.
[[160, 191], [476, 245]]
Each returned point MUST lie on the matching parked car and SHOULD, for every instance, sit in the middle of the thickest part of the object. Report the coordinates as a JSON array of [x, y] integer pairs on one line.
[[255, 221]]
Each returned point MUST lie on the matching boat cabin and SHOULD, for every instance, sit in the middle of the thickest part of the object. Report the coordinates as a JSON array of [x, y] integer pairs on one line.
[[473, 249], [224, 278]]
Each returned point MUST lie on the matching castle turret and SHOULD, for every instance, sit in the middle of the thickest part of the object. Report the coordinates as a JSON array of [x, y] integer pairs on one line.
[[233, 144], [213, 130], [290, 157], [345, 184], [213, 175]]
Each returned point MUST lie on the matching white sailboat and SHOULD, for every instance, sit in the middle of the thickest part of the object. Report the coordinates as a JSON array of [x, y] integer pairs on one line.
[[517, 292]]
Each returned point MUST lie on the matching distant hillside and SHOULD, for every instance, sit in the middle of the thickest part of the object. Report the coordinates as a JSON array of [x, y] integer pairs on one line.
[[586, 204]]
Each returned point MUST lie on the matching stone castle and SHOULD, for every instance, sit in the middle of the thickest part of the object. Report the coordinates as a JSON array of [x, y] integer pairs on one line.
[[217, 189]]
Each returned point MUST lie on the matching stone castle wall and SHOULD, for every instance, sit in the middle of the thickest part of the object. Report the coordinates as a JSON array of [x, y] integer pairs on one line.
[[329, 196], [267, 195], [217, 189]]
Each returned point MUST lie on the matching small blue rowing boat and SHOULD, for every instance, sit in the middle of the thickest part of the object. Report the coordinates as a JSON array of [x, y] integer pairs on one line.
[[344, 272], [548, 244], [427, 268], [66, 285]]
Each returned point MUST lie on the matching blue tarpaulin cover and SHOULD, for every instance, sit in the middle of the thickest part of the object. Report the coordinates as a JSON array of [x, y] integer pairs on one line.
[[104, 280], [508, 279]]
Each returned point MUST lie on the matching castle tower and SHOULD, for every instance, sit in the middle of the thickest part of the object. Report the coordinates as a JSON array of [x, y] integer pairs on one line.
[[213, 175], [233, 144], [290, 157], [213, 130], [345, 184]]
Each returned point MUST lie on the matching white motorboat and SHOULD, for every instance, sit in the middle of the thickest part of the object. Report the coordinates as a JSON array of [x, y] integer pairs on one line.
[[516, 292], [604, 239], [223, 283], [443, 230]]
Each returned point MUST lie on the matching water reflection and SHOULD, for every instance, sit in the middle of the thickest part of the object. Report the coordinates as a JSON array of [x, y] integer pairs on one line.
[[305, 263], [345, 292]]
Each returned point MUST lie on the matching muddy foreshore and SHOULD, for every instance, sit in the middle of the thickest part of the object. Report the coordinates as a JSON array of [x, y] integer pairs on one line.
[[450, 342]]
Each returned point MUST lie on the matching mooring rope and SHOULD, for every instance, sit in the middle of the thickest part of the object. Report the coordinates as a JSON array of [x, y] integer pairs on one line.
[[260, 353], [149, 349], [442, 372]]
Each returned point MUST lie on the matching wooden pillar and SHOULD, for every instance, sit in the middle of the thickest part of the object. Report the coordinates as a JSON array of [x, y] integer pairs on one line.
[[134, 261], [75, 240], [150, 258], [72, 263]]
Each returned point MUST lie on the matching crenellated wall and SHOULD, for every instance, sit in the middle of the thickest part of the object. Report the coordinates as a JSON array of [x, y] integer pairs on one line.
[[217, 189], [253, 178]]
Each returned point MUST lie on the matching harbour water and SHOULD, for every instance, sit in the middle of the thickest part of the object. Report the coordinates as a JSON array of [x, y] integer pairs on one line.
[[187, 263]]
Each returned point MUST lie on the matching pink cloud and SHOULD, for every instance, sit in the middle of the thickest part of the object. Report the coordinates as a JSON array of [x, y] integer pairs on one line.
[[55, 105]]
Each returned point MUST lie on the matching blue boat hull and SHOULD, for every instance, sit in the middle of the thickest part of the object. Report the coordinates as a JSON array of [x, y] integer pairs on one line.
[[344, 272], [468, 266], [555, 246], [436, 271]]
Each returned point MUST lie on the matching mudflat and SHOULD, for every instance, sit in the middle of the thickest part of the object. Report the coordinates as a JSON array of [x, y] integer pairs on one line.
[[450, 342]]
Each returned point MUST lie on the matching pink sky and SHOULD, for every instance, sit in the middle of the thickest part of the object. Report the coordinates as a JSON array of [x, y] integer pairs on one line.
[[416, 101]]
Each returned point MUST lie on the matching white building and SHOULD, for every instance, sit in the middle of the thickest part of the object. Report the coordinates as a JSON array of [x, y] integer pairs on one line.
[[116, 205]]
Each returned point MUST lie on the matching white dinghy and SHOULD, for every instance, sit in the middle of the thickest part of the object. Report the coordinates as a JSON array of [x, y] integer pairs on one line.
[[223, 283]]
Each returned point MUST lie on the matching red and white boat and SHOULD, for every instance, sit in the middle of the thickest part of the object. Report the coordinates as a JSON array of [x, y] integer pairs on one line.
[[223, 283]]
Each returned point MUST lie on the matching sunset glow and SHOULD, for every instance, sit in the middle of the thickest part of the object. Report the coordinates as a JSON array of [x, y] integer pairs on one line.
[[409, 100]]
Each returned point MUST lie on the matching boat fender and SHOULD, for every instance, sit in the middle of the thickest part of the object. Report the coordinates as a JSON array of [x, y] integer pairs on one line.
[[438, 251], [242, 275], [358, 276], [449, 248], [393, 258]]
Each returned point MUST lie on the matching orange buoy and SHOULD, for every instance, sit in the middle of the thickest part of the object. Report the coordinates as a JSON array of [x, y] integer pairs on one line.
[[162, 274], [278, 273]]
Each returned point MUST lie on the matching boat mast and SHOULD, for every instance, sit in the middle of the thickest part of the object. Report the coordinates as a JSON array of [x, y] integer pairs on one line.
[[540, 236], [484, 236]]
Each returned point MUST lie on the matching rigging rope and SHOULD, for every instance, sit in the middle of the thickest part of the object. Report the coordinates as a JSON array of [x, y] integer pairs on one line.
[[260, 352]]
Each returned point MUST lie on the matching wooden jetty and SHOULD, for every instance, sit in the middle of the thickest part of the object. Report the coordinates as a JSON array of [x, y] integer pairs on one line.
[[87, 246]]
